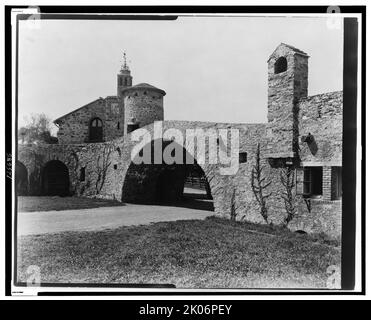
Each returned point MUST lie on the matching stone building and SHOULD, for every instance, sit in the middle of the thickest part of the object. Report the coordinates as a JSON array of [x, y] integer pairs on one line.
[[300, 151], [105, 119]]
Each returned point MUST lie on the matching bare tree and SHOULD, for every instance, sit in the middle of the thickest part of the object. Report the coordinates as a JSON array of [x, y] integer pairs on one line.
[[287, 178], [259, 184], [37, 130]]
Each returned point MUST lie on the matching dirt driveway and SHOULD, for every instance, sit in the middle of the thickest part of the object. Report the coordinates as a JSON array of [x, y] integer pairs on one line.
[[102, 218]]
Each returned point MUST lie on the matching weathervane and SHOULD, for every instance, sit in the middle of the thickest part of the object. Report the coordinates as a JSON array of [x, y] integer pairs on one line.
[[125, 66]]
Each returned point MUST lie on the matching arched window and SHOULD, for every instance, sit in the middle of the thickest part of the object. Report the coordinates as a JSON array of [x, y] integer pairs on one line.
[[96, 130], [120, 81], [280, 65]]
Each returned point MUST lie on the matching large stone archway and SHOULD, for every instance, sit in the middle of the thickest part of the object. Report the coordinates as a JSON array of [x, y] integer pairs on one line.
[[161, 183], [55, 179]]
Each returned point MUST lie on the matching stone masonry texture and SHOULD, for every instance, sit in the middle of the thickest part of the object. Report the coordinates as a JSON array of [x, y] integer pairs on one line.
[[293, 116]]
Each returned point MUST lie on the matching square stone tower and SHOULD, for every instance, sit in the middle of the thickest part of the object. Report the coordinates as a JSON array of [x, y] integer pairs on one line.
[[124, 78], [287, 83]]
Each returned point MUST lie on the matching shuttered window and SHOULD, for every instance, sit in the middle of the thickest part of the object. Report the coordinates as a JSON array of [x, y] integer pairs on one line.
[[309, 181], [336, 183]]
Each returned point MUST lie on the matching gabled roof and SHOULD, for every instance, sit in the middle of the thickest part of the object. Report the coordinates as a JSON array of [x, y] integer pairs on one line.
[[296, 50], [84, 106]]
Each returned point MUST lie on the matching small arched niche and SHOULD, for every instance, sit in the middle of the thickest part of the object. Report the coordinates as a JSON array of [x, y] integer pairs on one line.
[[280, 65]]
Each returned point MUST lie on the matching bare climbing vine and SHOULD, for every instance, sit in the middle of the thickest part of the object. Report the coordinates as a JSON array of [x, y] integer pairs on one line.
[[259, 184], [103, 163], [287, 177], [100, 166], [233, 213]]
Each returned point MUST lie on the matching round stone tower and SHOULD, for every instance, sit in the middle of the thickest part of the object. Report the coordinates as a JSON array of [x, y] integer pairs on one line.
[[143, 105]]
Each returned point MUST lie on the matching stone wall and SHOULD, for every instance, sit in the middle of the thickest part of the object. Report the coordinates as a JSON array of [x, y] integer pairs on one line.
[[35, 158], [116, 156], [318, 216], [222, 186], [74, 127], [322, 116], [108, 168]]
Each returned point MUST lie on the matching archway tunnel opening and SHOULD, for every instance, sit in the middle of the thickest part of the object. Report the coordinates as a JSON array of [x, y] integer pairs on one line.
[[55, 179], [196, 184], [179, 184]]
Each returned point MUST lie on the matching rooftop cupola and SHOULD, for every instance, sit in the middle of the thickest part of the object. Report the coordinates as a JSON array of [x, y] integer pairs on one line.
[[124, 78]]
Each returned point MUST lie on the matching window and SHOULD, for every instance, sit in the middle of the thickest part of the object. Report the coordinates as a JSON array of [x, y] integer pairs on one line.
[[312, 182], [118, 125], [96, 130], [132, 126], [336, 183], [280, 65], [115, 166], [120, 81], [82, 174], [126, 82], [243, 157]]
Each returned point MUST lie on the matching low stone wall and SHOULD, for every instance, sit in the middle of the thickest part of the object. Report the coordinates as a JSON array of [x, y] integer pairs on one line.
[[318, 216]]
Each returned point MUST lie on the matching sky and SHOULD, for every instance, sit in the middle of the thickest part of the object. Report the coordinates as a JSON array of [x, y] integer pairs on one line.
[[212, 68]]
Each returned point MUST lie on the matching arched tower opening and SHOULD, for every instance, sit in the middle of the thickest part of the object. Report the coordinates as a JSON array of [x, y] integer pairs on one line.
[[280, 65]]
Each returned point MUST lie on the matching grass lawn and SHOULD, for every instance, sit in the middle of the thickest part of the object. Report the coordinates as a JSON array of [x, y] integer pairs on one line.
[[27, 204], [210, 253]]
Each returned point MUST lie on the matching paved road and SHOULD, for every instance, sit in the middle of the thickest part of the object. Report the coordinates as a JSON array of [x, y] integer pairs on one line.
[[102, 218]]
